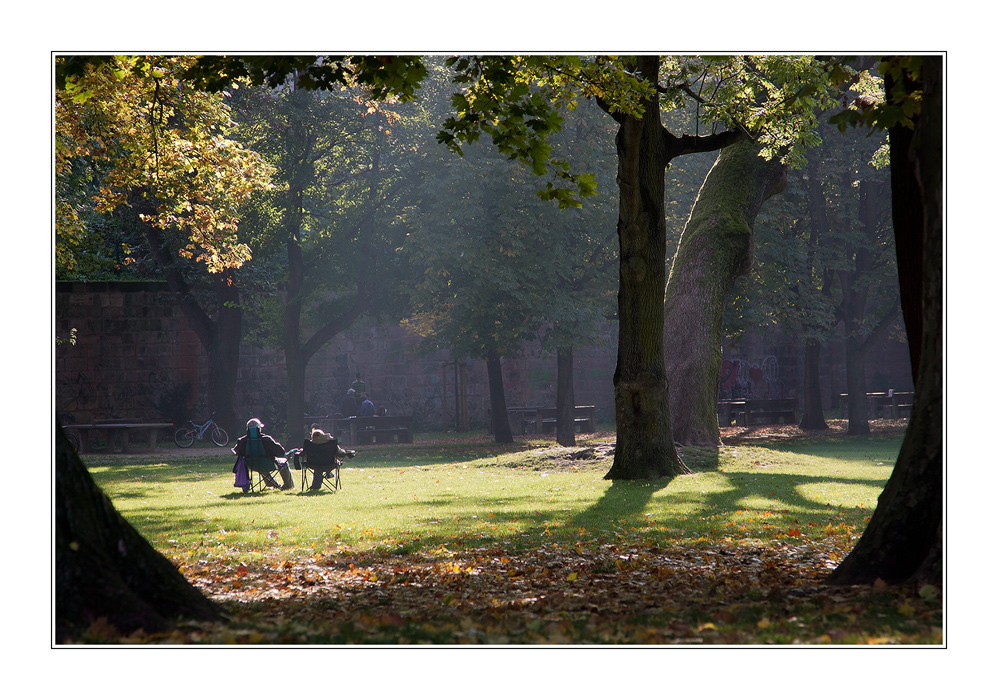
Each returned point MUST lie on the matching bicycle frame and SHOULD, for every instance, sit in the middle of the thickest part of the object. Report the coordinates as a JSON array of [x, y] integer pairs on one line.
[[202, 429]]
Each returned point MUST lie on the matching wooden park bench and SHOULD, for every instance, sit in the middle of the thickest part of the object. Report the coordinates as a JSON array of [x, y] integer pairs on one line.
[[764, 411], [115, 431]]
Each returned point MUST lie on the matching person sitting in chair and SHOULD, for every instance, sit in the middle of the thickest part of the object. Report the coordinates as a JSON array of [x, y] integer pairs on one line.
[[319, 437], [271, 448]]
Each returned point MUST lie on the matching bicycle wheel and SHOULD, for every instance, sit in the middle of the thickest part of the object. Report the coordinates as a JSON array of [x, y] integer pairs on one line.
[[219, 436], [184, 437]]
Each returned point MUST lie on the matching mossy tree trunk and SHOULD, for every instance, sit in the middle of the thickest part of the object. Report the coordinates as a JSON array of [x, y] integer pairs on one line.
[[105, 571], [903, 542], [714, 250]]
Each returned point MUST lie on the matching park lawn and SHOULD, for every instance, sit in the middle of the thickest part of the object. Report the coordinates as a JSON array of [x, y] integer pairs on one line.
[[455, 543]]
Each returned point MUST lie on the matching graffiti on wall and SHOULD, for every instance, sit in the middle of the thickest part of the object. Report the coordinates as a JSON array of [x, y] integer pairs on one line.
[[747, 380]]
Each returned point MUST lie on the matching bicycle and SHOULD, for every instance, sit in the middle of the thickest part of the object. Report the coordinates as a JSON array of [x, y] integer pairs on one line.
[[184, 437]]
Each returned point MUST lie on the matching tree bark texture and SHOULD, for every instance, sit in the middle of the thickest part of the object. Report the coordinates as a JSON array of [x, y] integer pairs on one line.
[[645, 449], [566, 397], [497, 397], [105, 571], [714, 250], [903, 542]]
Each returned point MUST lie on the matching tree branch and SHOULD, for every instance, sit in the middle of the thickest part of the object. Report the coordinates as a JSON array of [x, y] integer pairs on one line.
[[686, 144]]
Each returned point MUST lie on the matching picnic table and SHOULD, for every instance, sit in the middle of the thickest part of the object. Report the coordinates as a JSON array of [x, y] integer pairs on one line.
[[358, 430], [520, 416], [888, 404], [539, 419], [757, 411], [115, 431]]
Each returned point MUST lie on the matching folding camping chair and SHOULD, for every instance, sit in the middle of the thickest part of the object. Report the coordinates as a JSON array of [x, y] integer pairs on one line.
[[319, 457], [257, 460]]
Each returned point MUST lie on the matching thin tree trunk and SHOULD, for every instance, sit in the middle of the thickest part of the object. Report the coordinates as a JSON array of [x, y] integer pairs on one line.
[[714, 250], [106, 573], [903, 542], [813, 417], [859, 423], [294, 357], [497, 397], [223, 363], [566, 397]]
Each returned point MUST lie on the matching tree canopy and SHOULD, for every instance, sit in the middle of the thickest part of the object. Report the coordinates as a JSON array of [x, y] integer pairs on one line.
[[165, 149]]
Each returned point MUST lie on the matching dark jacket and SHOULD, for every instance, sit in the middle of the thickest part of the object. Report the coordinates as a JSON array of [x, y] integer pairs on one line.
[[349, 407], [271, 446]]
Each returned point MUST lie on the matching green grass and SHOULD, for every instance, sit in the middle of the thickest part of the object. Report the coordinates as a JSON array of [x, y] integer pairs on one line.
[[411, 498]]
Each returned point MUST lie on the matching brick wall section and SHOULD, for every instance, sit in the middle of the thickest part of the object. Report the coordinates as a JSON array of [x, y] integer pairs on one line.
[[134, 345]]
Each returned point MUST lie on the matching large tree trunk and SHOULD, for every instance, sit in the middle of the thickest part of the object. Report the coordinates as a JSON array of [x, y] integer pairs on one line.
[[714, 250], [812, 418], [105, 571], [497, 397], [566, 397], [645, 449], [907, 211], [903, 542]]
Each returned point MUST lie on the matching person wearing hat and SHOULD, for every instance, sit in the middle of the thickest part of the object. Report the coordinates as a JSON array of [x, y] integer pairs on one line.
[[272, 448]]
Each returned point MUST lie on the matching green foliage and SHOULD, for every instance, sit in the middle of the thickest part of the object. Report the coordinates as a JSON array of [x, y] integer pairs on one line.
[[160, 147], [872, 107], [345, 164], [812, 248], [499, 266]]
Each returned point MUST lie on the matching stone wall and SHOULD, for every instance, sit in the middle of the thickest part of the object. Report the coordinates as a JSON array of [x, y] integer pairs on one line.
[[134, 350]]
